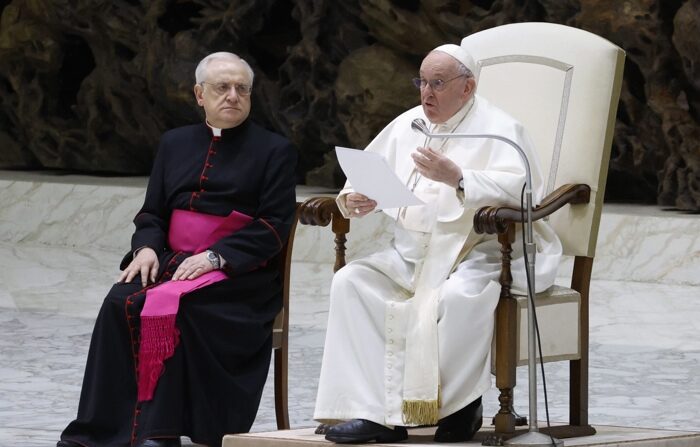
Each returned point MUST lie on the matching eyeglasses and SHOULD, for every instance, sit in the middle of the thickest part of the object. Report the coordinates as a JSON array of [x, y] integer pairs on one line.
[[221, 88], [437, 85]]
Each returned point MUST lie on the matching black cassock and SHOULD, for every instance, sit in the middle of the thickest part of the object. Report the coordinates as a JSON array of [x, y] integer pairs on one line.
[[213, 383]]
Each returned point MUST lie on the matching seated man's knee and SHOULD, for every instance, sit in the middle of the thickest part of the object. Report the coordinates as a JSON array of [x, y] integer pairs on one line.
[[119, 293], [343, 276], [344, 280], [451, 291], [452, 294]]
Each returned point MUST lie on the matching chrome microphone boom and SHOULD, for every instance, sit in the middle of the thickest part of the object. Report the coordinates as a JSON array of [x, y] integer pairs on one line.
[[419, 126], [533, 437]]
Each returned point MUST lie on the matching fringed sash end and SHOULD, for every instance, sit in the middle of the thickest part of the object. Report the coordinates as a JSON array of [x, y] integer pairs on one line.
[[420, 412], [159, 337]]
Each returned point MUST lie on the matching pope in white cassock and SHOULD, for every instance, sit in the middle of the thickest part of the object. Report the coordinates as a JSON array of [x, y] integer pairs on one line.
[[410, 328]]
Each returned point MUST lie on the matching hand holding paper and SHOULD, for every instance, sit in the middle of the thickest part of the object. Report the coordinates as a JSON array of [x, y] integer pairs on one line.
[[359, 204], [370, 175]]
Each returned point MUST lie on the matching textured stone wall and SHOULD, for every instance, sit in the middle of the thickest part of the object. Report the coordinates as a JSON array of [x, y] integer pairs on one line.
[[89, 85]]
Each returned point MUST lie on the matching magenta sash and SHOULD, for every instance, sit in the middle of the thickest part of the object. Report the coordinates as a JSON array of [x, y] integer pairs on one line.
[[191, 232]]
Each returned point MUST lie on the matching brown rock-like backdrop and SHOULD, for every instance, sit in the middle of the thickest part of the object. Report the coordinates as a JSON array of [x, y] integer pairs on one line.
[[89, 85]]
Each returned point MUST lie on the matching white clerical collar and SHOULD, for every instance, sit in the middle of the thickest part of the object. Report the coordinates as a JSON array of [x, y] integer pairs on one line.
[[214, 130], [454, 120]]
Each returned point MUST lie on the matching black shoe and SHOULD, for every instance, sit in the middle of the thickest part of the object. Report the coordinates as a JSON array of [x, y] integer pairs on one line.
[[67, 444], [322, 429], [462, 425], [361, 430], [161, 442]]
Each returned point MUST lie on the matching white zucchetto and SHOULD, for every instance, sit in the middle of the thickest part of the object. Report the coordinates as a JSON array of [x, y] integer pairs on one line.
[[460, 54]]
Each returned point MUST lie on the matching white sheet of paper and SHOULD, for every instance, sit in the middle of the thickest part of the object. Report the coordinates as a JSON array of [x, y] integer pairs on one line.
[[370, 174]]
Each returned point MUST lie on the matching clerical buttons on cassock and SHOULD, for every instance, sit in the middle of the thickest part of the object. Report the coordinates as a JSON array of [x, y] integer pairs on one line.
[[393, 359]]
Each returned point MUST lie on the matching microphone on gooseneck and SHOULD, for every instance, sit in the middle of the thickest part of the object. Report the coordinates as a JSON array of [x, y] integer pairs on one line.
[[419, 126]]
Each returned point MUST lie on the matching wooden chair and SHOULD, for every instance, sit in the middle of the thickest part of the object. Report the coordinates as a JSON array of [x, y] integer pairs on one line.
[[563, 84], [280, 333], [307, 213]]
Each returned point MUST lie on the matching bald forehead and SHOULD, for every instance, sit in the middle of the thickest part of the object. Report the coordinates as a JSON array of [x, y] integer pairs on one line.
[[439, 63]]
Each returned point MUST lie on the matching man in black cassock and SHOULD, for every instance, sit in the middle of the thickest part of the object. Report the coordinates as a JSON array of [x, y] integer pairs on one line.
[[213, 382]]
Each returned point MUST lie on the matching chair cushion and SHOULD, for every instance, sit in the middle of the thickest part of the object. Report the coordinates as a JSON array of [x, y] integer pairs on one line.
[[558, 317]]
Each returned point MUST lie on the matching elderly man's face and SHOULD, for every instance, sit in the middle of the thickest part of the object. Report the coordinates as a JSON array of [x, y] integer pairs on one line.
[[220, 95], [439, 106]]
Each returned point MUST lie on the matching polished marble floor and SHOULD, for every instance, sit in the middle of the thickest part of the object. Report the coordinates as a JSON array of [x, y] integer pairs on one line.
[[645, 363], [645, 348]]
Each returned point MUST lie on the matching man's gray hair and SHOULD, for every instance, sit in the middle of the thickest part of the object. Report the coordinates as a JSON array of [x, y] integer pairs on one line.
[[463, 70], [200, 73]]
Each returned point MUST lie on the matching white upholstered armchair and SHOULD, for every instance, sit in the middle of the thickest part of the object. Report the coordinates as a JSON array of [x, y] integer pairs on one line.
[[563, 84]]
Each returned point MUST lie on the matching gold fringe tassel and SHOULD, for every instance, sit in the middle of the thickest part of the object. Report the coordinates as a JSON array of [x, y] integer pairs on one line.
[[420, 412]]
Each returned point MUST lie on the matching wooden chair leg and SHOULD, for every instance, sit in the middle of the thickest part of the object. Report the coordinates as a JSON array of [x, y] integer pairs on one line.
[[281, 392], [578, 369], [505, 420], [578, 393], [506, 339]]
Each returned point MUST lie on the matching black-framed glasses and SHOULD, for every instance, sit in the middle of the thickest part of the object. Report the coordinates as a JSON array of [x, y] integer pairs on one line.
[[221, 88], [437, 85]]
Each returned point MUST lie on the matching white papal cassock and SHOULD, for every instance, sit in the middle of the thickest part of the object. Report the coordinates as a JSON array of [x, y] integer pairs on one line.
[[363, 369]]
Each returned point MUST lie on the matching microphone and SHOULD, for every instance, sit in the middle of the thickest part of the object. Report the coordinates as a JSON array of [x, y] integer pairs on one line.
[[419, 125]]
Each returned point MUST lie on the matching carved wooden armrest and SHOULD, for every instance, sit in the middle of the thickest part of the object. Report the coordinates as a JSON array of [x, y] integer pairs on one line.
[[321, 211], [495, 219], [318, 211]]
